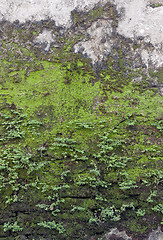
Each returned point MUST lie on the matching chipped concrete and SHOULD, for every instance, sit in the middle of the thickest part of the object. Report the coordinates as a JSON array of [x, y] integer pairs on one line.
[[137, 20], [36, 10], [140, 20], [116, 234], [45, 37], [156, 235], [99, 41]]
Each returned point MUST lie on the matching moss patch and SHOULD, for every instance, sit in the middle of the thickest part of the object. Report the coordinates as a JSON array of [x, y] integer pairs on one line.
[[80, 149]]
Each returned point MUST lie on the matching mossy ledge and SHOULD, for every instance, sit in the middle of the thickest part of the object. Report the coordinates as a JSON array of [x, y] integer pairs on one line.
[[80, 148]]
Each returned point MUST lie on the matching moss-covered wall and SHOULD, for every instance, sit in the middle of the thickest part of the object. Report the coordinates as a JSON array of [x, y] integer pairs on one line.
[[80, 147]]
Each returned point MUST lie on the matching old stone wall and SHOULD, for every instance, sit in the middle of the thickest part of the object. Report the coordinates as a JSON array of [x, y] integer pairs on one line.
[[81, 119]]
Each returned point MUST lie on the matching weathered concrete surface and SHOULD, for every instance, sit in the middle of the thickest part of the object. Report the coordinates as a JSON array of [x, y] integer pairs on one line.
[[138, 23], [36, 10], [45, 37], [138, 19], [116, 234], [141, 20], [99, 43], [156, 235]]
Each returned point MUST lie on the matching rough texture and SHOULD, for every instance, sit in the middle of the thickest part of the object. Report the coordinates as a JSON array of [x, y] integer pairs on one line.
[[80, 120], [156, 235], [58, 10], [138, 20], [116, 234]]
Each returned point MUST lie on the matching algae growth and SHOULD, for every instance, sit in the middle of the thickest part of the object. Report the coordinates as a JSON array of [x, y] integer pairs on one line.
[[80, 149]]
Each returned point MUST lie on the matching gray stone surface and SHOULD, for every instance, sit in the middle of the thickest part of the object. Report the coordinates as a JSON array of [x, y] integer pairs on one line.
[[156, 235], [99, 43], [36, 10], [116, 234], [45, 37], [137, 19], [140, 19]]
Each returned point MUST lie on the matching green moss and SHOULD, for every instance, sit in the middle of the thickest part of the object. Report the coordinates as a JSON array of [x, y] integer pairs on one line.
[[157, 74], [136, 46], [34, 33], [96, 13], [77, 146], [87, 18], [138, 228], [155, 5]]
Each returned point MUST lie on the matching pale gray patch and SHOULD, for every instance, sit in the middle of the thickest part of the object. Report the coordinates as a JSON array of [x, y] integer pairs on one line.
[[117, 233], [141, 20], [137, 20], [99, 43], [36, 10], [46, 37], [156, 235]]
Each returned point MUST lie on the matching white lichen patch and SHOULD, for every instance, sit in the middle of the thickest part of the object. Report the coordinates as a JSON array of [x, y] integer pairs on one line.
[[138, 19], [99, 42], [45, 37], [154, 57], [36, 10]]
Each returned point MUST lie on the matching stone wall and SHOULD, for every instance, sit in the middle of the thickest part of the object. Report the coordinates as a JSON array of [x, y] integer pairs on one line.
[[81, 119]]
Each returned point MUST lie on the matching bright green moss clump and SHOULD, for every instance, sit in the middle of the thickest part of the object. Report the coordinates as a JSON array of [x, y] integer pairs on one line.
[[79, 150]]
